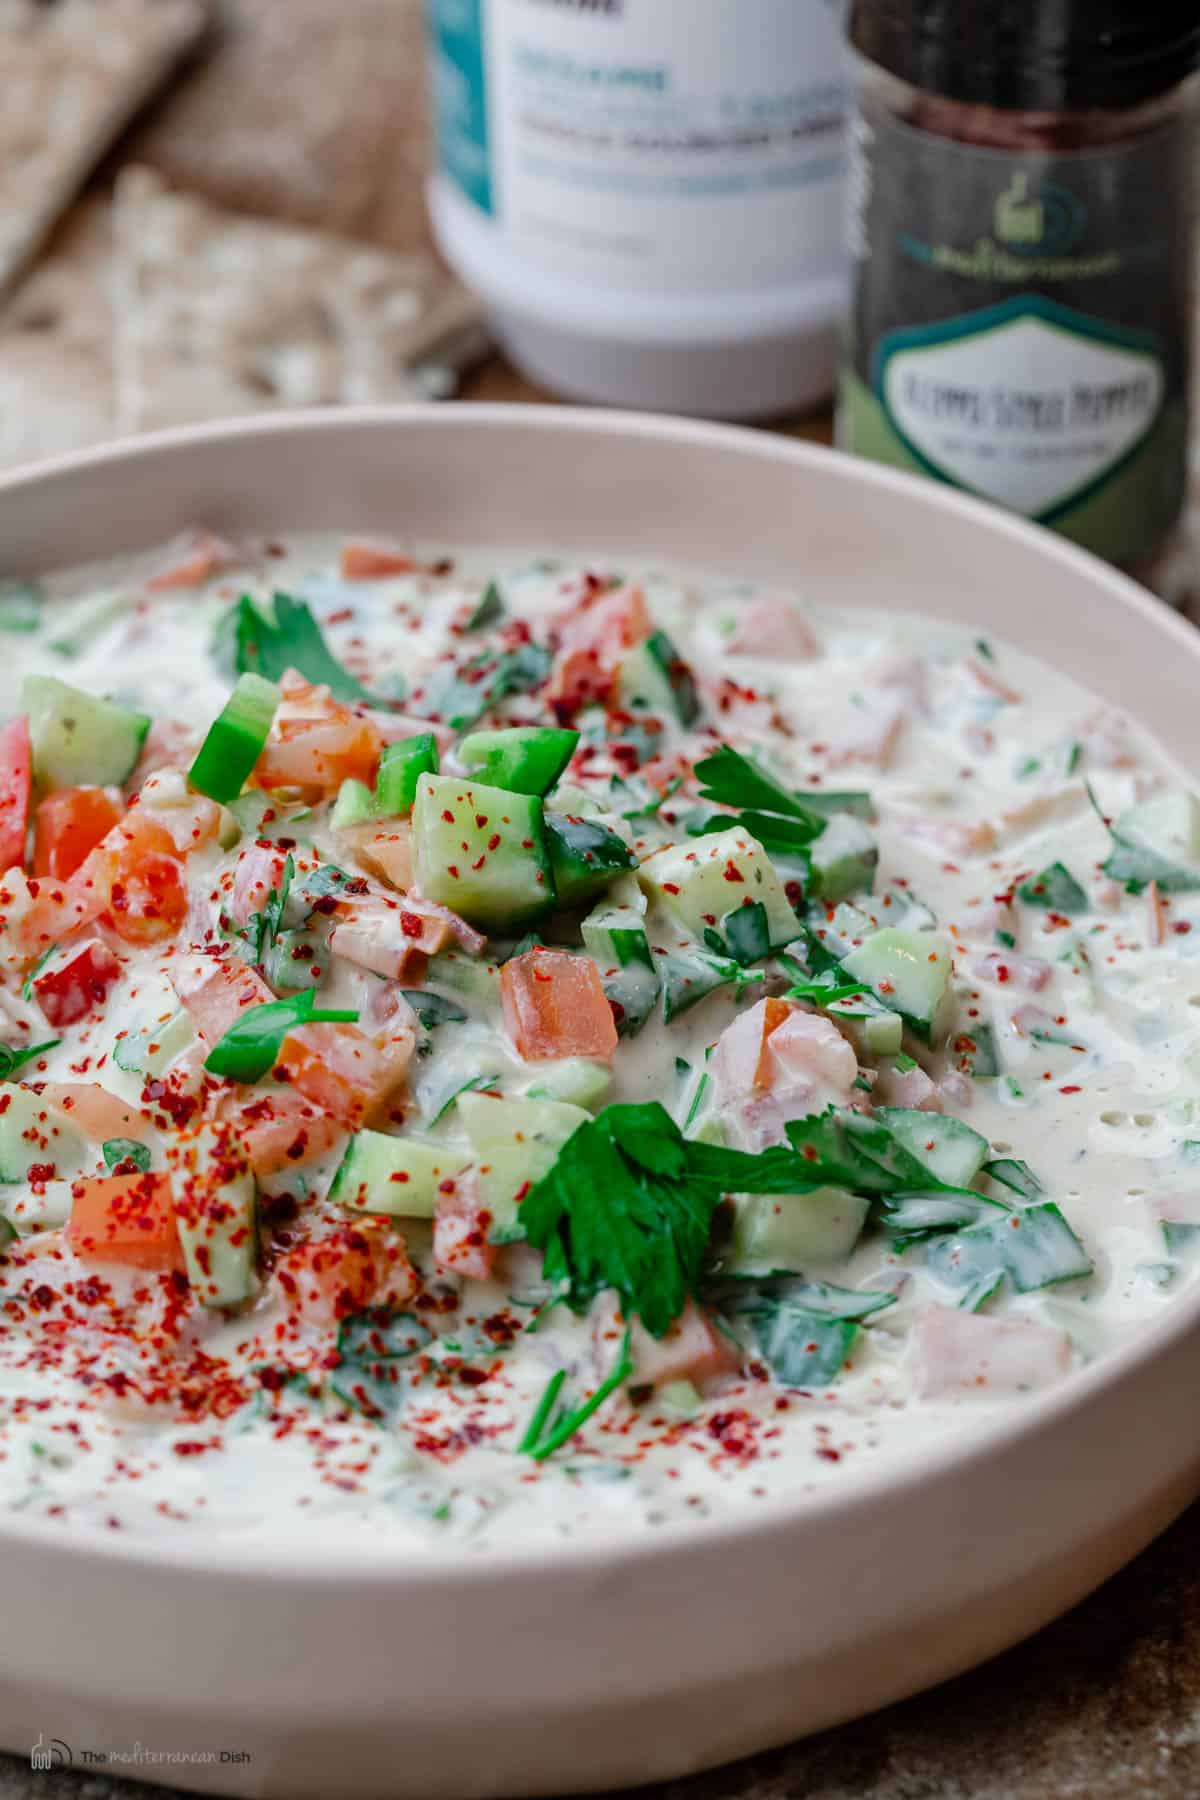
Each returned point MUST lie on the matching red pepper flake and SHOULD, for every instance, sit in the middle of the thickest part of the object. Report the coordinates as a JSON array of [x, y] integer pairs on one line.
[[1070, 1090]]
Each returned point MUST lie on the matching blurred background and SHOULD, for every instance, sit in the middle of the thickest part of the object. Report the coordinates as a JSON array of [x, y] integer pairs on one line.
[[210, 207]]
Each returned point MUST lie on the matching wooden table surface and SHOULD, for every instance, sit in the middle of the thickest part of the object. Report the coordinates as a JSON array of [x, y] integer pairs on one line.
[[313, 110]]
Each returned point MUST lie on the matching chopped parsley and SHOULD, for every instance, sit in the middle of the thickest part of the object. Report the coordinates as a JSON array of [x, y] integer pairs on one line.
[[374, 1351], [249, 1048], [252, 641], [553, 1425], [458, 694], [11, 1059]]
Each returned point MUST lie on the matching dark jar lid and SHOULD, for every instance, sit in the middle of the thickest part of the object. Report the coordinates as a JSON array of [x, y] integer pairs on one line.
[[1033, 55]]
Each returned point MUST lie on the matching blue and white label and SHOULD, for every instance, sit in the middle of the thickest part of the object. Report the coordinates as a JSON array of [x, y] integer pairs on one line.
[[661, 146], [458, 86]]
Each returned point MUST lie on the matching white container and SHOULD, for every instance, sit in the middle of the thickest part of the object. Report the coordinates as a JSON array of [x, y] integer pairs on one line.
[[648, 193]]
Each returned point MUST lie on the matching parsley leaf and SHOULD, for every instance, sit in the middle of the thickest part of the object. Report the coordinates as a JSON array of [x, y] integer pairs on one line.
[[629, 1203], [252, 641], [433, 1009], [731, 779], [804, 1330], [249, 1048], [12, 1059], [458, 694]]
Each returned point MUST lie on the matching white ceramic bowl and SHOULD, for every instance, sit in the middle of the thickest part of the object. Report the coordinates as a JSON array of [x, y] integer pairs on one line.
[[583, 1668]]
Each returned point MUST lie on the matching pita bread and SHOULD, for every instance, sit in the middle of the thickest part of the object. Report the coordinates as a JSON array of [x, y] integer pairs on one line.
[[75, 73], [219, 313], [56, 365]]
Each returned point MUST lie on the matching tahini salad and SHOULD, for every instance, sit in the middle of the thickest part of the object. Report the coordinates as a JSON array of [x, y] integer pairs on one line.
[[512, 1048]]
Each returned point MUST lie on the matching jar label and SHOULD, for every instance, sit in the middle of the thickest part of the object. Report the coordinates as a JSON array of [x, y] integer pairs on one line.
[[1021, 321], [1026, 402], [620, 141]]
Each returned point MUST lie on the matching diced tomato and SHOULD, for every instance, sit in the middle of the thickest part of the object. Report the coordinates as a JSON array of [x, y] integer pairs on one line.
[[146, 895], [189, 819], [259, 871], [554, 1005], [377, 943], [188, 562], [67, 826], [49, 911], [77, 984], [279, 1130], [125, 1219], [394, 727], [16, 763], [591, 644], [388, 852], [347, 1074], [92, 1109], [371, 562], [356, 1266], [774, 629], [776, 1043], [694, 1349], [317, 755], [215, 992], [460, 1230]]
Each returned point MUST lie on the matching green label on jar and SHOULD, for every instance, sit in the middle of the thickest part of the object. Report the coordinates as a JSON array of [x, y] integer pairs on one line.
[[1020, 325]]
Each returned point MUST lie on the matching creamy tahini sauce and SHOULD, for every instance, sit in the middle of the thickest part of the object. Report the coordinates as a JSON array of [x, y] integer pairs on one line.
[[977, 791]]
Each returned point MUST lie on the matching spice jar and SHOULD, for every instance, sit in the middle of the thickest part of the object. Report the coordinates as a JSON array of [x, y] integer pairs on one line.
[[1023, 204]]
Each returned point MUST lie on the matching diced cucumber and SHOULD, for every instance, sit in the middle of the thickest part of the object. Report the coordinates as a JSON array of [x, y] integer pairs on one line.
[[355, 805], [525, 759], [585, 857], [154, 1047], [654, 678], [1055, 889], [843, 859], [400, 768], [482, 851], [575, 1079], [296, 960], [701, 881], [32, 1135], [79, 740], [950, 1150], [44, 1208], [688, 977], [235, 739], [1158, 840], [841, 930], [791, 1232], [516, 1142], [909, 971], [476, 980], [215, 1214], [615, 937], [681, 1399], [397, 1175], [872, 1025], [975, 1052]]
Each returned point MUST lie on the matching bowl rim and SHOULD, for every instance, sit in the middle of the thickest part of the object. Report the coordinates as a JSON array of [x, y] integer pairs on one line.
[[442, 1564]]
